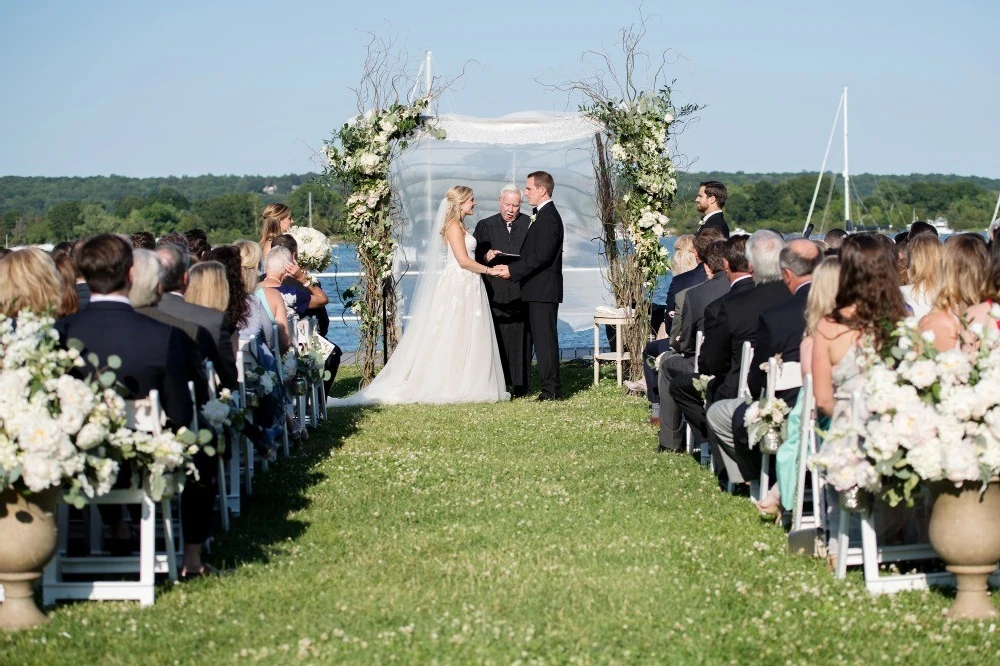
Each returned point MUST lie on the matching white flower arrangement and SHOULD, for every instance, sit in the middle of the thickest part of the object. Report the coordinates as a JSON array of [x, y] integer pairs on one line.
[[315, 251], [60, 431], [931, 416], [637, 132], [764, 415], [53, 427], [700, 384]]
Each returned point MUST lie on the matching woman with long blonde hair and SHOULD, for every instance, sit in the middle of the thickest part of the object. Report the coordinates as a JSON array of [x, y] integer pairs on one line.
[[685, 257], [923, 273], [207, 286], [820, 303], [277, 220], [29, 280], [964, 265], [448, 352]]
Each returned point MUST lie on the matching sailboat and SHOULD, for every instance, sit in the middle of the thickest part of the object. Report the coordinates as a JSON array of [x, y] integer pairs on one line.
[[848, 224]]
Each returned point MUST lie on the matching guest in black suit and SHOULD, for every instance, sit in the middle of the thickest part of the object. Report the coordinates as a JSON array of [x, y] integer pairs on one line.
[[733, 270], [729, 322], [539, 272], [779, 331], [505, 232], [152, 354], [711, 199], [175, 260]]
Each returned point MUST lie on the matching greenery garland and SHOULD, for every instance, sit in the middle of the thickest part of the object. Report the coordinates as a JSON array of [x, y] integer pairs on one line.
[[359, 156]]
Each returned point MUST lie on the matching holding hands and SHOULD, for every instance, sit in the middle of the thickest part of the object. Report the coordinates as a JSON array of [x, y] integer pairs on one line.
[[499, 271]]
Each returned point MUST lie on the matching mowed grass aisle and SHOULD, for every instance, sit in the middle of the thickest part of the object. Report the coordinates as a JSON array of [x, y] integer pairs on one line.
[[526, 532]]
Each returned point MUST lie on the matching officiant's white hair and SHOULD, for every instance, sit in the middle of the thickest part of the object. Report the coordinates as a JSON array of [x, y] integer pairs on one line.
[[511, 187]]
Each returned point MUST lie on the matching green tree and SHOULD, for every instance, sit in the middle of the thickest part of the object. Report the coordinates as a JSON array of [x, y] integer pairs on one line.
[[170, 197], [62, 221], [327, 204], [230, 211]]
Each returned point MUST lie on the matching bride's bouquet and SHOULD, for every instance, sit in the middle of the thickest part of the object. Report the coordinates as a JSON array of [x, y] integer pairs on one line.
[[315, 251]]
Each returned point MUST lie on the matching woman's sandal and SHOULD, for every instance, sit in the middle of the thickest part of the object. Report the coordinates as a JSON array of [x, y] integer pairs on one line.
[[206, 571]]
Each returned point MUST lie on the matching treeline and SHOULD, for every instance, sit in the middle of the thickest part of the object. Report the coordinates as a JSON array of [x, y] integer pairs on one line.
[[39, 210], [781, 201]]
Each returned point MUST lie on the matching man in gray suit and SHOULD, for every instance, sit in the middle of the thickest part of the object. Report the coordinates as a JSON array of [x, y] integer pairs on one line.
[[174, 260]]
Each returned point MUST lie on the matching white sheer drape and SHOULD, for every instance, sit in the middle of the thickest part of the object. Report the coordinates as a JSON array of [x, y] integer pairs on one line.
[[488, 153]]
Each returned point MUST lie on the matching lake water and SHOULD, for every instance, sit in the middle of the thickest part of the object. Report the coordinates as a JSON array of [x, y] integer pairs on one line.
[[344, 332]]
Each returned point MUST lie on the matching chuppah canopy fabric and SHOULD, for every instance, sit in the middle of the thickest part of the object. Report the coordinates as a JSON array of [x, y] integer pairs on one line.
[[488, 153]]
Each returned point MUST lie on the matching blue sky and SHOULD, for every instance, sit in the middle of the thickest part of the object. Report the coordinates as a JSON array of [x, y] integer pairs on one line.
[[192, 87]]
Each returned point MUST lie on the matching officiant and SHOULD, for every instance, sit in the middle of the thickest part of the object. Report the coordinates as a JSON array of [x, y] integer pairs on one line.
[[497, 237]]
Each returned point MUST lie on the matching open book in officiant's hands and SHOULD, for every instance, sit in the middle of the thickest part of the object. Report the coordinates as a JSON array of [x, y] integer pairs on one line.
[[504, 258]]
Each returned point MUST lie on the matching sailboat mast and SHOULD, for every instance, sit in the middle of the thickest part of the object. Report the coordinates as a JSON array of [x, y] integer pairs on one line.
[[822, 168], [847, 178]]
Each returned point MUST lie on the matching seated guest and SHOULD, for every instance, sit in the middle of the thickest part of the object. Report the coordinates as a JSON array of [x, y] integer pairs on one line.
[[274, 272], [834, 238], [923, 273], [779, 331], [152, 354], [680, 282], [729, 322], [734, 277], [70, 302], [29, 280], [174, 259], [310, 299], [197, 243], [964, 265], [143, 240], [921, 227], [819, 304], [261, 304], [980, 313]]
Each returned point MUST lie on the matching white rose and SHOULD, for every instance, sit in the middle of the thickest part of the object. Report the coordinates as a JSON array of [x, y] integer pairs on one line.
[[90, 435], [40, 471]]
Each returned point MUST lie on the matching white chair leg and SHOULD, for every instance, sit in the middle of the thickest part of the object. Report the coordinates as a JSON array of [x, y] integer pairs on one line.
[[765, 475], [223, 492], [843, 543], [170, 546]]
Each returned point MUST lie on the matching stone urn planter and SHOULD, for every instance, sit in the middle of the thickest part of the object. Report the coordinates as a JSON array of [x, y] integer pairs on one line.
[[965, 533], [28, 541]]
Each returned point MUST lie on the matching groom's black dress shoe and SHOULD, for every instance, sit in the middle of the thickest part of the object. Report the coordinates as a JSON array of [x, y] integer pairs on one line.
[[546, 396]]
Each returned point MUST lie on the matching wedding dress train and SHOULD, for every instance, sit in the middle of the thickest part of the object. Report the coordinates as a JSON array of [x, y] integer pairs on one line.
[[448, 352]]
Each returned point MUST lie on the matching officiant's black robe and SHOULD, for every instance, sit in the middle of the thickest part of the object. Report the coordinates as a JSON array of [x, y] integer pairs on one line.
[[510, 314]]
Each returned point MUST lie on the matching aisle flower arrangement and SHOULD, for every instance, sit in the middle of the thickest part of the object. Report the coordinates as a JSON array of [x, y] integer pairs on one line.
[[60, 431], [932, 416], [766, 416]]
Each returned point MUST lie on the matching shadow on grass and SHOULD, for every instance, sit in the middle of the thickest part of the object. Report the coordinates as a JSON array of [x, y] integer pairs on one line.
[[283, 490]]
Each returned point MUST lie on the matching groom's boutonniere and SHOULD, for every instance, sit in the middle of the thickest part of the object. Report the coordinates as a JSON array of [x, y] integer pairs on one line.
[[531, 219]]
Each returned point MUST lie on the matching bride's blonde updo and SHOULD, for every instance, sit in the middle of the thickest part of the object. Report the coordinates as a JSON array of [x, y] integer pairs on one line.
[[456, 196]]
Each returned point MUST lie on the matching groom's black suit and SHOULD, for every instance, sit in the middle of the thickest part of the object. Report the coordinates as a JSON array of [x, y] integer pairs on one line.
[[539, 272], [510, 314]]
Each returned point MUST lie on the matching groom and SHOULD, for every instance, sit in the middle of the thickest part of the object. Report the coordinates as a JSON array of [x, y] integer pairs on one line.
[[540, 273]]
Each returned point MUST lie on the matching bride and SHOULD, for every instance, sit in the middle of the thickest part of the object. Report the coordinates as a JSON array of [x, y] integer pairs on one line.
[[448, 352]]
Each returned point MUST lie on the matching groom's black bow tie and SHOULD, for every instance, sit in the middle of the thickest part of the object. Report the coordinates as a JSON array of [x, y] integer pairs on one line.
[[534, 211]]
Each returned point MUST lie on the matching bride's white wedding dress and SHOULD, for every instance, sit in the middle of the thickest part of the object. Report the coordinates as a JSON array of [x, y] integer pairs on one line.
[[448, 352]]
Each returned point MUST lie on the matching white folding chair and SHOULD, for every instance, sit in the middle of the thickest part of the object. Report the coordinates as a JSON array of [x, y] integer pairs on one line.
[[746, 356], [780, 377], [306, 336], [807, 448], [213, 393], [146, 415], [281, 378], [699, 340], [246, 363]]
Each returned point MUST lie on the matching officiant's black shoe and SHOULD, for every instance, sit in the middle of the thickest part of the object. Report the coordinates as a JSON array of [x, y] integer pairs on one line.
[[545, 396]]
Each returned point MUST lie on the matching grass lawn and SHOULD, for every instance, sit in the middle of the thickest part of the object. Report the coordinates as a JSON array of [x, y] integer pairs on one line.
[[532, 533]]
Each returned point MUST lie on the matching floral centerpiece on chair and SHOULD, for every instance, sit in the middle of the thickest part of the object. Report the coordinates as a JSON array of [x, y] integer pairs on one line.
[[933, 421], [928, 417], [766, 423], [54, 428]]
